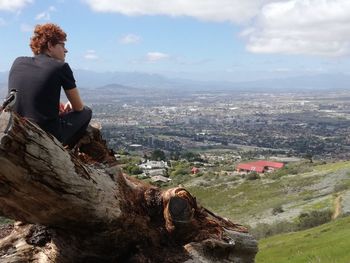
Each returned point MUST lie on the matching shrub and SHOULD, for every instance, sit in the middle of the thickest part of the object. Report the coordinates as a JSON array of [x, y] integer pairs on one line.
[[305, 220], [252, 176], [133, 169], [314, 218], [277, 210]]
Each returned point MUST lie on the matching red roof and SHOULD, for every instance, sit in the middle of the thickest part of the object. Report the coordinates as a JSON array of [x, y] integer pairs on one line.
[[269, 164], [251, 167], [195, 170], [259, 166]]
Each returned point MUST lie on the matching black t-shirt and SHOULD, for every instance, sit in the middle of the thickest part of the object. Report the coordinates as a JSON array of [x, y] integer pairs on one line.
[[38, 81]]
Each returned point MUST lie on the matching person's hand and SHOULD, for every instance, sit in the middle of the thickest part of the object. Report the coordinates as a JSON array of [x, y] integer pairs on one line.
[[68, 107], [65, 108], [61, 108]]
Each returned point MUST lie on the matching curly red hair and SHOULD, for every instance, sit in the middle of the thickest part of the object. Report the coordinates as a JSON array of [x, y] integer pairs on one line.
[[46, 33]]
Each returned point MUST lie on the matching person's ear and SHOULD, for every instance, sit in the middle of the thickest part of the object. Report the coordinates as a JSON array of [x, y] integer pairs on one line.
[[49, 45]]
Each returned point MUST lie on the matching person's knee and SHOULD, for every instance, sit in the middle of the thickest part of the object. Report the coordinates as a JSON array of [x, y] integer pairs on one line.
[[87, 113]]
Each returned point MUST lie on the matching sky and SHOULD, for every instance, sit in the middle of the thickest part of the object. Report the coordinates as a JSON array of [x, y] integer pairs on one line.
[[231, 40]]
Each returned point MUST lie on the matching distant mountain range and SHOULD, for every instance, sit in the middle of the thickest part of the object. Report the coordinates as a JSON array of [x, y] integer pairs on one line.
[[156, 81], [91, 79]]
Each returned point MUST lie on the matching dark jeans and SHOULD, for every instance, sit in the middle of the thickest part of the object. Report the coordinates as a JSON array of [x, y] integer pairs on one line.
[[74, 124], [70, 127]]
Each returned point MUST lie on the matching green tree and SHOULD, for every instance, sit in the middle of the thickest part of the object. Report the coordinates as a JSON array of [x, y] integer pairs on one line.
[[158, 155], [133, 169], [192, 157], [175, 155]]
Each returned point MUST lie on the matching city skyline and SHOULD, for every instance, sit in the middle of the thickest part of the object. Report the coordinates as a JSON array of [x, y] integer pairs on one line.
[[203, 40]]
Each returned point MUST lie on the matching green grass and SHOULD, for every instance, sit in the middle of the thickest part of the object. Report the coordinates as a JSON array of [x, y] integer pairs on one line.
[[330, 167], [322, 204], [250, 197], [329, 243], [240, 201]]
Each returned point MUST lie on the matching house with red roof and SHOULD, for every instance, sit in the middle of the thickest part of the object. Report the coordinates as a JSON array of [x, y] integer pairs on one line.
[[259, 166], [194, 170]]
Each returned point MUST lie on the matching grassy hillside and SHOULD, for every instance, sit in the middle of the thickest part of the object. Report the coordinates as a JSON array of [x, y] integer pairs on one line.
[[310, 187], [329, 243]]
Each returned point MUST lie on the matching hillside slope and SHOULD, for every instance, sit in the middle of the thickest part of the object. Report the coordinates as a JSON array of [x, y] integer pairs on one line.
[[324, 244], [312, 187]]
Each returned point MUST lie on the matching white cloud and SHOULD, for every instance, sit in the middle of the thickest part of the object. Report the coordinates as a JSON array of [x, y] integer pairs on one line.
[[46, 15], [13, 5], [156, 56], [130, 39], [43, 16], [209, 10], [27, 28], [91, 55], [314, 27]]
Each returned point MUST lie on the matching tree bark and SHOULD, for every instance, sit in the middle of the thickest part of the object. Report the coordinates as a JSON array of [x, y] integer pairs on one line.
[[77, 206]]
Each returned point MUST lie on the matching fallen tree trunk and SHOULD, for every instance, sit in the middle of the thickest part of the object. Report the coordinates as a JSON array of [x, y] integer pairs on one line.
[[77, 206]]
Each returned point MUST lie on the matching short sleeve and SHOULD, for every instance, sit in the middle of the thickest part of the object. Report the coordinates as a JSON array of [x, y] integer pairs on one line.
[[68, 81]]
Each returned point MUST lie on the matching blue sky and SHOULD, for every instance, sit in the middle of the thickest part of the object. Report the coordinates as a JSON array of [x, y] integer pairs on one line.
[[197, 39]]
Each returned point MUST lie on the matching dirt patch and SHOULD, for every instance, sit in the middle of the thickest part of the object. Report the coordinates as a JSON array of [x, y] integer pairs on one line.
[[337, 207]]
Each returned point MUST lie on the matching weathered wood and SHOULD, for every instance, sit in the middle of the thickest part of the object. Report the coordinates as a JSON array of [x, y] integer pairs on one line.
[[41, 182], [84, 210]]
